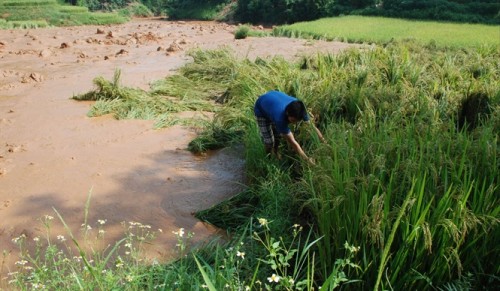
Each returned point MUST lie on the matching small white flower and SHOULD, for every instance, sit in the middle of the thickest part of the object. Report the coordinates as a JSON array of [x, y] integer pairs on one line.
[[240, 254], [263, 221], [17, 239], [101, 221], [48, 217], [204, 286], [101, 231], [273, 278], [61, 238], [36, 238], [129, 278], [21, 262]]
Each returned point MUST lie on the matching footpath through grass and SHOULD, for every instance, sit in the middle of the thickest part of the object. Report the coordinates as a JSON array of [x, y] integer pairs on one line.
[[362, 29]]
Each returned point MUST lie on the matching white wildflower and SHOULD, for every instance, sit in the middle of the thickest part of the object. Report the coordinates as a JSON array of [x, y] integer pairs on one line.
[[179, 233], [273, 278], [21, 262]]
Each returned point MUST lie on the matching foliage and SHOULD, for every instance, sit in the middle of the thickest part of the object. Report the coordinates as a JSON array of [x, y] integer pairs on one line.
[[290, 11], [135, 10], [194, 9], [267, 11], [42, 13]]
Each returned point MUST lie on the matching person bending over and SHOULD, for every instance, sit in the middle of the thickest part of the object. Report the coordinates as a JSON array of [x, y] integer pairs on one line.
[[274, 111]]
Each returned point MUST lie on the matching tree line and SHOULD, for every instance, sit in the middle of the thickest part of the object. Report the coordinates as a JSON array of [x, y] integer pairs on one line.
[[289, 11]]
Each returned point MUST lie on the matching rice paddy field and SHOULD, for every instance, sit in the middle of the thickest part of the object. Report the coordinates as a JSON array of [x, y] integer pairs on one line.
[[382, 30], [404, 193]]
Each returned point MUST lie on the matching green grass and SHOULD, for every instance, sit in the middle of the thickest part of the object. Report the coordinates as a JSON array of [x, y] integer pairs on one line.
[[42, 13], [27, 3], [380, 30]]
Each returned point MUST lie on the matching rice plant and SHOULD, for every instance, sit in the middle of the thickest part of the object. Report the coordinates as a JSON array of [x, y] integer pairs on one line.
[[130, 103]]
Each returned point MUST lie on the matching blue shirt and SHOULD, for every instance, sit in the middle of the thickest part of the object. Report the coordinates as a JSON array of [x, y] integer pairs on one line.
[[272, 106]]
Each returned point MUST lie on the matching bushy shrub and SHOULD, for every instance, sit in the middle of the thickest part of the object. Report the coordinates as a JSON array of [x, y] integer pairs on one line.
[[242, 32]]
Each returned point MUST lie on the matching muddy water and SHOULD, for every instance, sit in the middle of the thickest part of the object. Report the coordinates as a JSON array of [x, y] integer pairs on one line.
[[52, 156]]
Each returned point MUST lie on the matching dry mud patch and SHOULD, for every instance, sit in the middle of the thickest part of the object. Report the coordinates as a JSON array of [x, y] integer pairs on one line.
[[53, 156]]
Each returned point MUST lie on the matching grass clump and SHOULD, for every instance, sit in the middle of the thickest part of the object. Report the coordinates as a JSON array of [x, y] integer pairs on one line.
[[242, 32]]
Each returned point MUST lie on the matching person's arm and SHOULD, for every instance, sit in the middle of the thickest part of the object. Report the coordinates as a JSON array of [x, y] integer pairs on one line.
[[318, 132], [297, 148]]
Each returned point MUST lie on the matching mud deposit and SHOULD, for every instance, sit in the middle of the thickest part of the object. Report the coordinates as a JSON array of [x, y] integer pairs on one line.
[[52, 156]]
